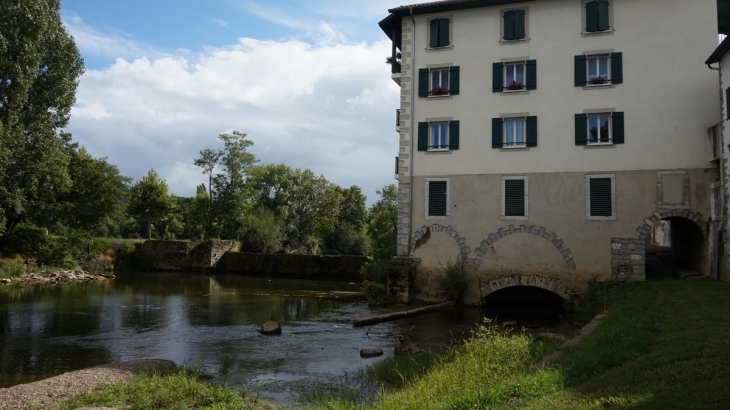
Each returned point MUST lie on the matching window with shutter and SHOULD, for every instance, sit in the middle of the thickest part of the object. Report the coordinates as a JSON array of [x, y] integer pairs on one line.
[[600, 199], [439, 32], [514, 198], [597, 15], [437, 198], [727, 102], [514, 25]]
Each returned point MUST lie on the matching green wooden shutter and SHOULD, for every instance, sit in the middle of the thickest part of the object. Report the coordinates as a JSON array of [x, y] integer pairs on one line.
[[443, 33], [581, 129], [601, 198], [531, 131], [591, 17], [497, 140], [454, 80], [617, 68], [498, 77], [509, 25], [531, 78], [423, 136], [453, 135], [434, 37], [514, 197], [519, 24], [603, 15], [437, 191], [617, 125], [580, 70], [423, 82]]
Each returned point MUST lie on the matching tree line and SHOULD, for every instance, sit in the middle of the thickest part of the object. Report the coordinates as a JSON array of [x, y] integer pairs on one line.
[[50, 185]]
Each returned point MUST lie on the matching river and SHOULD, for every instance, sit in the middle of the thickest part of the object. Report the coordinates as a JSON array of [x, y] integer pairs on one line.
[[206, 322]]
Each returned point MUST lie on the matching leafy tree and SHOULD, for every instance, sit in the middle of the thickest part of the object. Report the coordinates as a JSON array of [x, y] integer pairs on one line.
[[196, 216], [208, 160], [352, 208], [260, 231], [150, 202], [382, 222], [96, 194], [230, 192], [39, 70]]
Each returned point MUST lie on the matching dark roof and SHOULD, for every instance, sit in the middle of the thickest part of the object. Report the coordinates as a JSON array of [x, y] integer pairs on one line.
[[719, 52]]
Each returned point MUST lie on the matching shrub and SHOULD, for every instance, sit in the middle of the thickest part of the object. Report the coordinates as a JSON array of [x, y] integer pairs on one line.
[[28, 239], [260, 231], [375, 293], [592, 302], [453, 282], [346, 240]]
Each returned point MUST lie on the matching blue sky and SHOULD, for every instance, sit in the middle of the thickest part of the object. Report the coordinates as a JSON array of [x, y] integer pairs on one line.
[[305, 80]]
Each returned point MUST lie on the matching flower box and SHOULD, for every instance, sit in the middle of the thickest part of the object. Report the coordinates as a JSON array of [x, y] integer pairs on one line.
[[598, 80], [439, 91], [514, 86]]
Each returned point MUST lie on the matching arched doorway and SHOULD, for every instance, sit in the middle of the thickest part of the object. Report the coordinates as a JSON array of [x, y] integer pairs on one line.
[[675, 249], [524, 303]]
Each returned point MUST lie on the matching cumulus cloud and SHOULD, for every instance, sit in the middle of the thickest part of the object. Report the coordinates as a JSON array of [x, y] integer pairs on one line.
[[327, 105]]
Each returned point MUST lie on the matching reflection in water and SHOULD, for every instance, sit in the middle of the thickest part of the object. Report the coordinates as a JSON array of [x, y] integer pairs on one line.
[[210, 322]]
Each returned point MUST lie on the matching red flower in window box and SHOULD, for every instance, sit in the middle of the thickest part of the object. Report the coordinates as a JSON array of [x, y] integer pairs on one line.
[[514, 85], [439, 91], [598, 80]]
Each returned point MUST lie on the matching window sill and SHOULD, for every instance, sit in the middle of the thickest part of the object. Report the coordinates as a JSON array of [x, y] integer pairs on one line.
[[597, 33], [438, 152], [514, 218], [430, 49], [440, 97], [598, 86], [438, 217], [599, 146], [508, 149], [517, 41], [601, 218], [514, 92]]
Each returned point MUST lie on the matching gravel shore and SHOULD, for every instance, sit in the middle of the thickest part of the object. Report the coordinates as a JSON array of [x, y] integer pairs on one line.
[[49, 393]]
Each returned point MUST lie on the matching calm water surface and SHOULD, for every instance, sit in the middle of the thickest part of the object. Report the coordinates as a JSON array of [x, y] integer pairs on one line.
[[205, 321]]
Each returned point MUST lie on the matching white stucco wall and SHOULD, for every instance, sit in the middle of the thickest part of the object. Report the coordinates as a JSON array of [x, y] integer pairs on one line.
[[668, 96]]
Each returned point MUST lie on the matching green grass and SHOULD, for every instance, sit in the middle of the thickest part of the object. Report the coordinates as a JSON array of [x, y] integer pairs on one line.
[[181, 390], [666, 347]]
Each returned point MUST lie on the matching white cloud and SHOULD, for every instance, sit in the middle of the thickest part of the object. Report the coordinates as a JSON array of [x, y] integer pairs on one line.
[[221, 23], [328, 106], [108, 43]]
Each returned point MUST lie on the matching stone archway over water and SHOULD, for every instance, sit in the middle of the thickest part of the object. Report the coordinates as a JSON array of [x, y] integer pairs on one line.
[[486, 287]]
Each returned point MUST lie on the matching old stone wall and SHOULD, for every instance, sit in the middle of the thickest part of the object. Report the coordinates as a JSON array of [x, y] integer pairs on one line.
[[181, 255], [328, 267], [628, 258]]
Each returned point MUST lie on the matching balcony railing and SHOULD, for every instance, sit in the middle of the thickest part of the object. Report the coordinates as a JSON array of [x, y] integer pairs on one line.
[[394, 67], [397, 119], [396, 166]]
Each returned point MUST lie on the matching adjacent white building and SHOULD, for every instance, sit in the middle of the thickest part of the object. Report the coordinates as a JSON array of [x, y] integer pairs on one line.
[[549, 141]]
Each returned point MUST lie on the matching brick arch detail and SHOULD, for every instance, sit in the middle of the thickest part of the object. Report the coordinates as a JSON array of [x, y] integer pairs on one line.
[[422, 235], [649, 222], [540, 232], [487, 287]]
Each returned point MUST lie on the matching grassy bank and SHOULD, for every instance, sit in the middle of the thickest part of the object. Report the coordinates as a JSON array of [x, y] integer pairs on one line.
[[666, 347], [181, 390]]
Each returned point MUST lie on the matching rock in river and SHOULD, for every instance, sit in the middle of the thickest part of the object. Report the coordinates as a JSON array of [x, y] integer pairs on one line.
[[371, 352], [270, 328]]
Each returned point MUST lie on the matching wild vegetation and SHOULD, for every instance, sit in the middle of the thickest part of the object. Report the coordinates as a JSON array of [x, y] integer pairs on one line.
[[55, 197]]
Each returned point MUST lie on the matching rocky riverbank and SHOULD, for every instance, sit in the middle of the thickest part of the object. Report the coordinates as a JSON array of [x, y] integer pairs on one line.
[[58, 276]]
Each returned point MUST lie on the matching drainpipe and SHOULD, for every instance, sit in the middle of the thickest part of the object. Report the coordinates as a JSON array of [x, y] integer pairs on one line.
[[712, 68], [413, 105]]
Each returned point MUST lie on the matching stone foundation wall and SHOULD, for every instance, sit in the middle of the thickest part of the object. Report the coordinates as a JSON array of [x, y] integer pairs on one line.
[[628, 259], [180, 255]]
